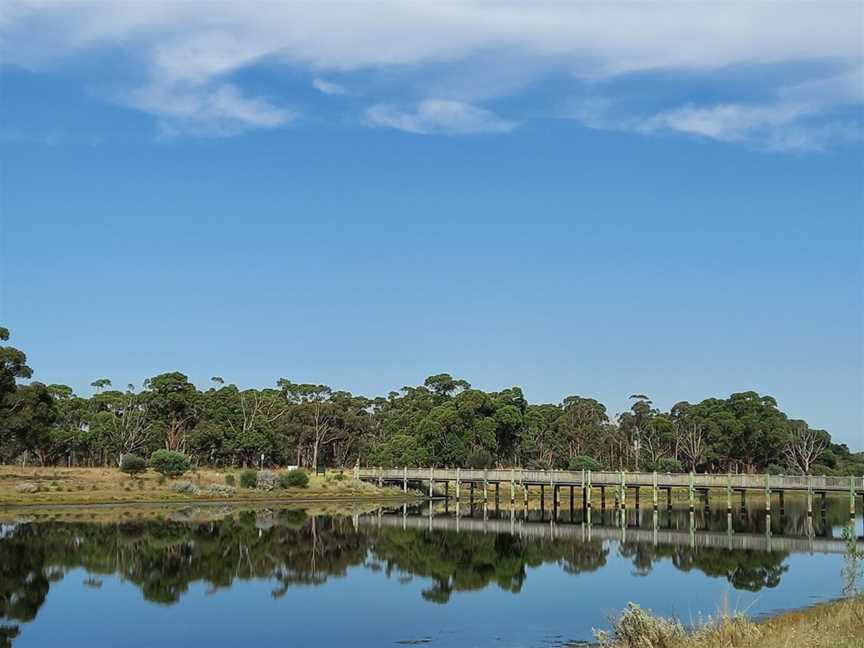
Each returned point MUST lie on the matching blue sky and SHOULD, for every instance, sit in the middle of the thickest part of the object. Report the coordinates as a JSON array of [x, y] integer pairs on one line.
[[578, 199]]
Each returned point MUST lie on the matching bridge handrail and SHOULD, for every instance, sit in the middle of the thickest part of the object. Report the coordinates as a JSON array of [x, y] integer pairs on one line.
[[615, 478]]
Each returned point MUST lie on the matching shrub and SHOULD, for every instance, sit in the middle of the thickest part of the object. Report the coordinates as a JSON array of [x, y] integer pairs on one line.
[[161, 481], [266, 480], [169, 463], [248, 479], [584, 462], [132, 464], [220, 490], [184, 487], [479, 459], [294, 479], [230, 481], [339, 476], [668, 465], [636, 628], [774, 469]]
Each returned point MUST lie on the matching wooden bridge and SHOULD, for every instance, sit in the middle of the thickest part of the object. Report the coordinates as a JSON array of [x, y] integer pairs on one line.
[[619, 483], [584, 532]]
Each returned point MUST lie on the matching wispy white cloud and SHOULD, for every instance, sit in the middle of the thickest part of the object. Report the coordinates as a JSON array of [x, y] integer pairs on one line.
[[801, 117], [438, 116], [188, 50], [202, 110], [328, 87]]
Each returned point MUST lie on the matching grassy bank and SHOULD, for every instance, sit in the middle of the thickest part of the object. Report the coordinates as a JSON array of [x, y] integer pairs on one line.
[[837, 624], [109, 486]]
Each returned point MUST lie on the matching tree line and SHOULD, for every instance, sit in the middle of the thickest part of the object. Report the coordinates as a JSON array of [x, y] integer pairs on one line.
[[443, 422]]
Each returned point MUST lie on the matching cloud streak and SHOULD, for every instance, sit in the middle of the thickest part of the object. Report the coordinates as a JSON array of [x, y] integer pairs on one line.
[[187, 54], [438, 116]]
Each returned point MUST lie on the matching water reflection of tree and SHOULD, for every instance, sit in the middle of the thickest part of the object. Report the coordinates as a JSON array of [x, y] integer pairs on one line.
[[24, 582], [163, 557], [745, 570], [471, 561]]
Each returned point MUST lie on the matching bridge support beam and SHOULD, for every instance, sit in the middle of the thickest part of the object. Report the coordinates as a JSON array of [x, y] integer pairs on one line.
[[669, 499]]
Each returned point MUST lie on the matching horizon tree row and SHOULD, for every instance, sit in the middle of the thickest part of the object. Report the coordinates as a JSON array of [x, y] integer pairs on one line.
[[443, 422]]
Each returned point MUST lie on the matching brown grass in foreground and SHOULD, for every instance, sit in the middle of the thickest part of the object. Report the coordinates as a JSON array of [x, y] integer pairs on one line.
[[837, 624]]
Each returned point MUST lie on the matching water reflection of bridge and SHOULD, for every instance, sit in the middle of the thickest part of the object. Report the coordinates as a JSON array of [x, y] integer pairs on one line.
[[584, 532], [621, 485]]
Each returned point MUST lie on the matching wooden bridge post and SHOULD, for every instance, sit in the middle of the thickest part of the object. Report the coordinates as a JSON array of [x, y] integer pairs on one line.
[[542, 497], [485, 486], [810, 497], [357, 471], [458, 486], [572, 490], [654, 491], [405, 479], [588, 496], [692, 494], [497, 495], [623, 491], [669, 499], [768, 494], [431, 478], [525, 492], [380, 477], [636, 500], [512, 486], [851, 498], [729, 493], [584, 491], [602, 498]]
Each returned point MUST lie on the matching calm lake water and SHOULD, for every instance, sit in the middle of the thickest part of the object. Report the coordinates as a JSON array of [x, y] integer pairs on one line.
[[220, 576]]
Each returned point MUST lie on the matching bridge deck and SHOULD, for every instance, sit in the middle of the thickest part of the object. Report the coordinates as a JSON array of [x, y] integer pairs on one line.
[[617, 479]]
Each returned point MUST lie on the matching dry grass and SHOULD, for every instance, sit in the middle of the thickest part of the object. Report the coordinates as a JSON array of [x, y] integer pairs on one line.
[[106, 486], [838, 624]]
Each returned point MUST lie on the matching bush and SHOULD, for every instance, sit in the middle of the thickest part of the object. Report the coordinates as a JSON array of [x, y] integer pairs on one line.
[[584, 462], [132, 464], [169, 463], [479, 459], [668, 465], [184, 487], [774, 469], [266, 480], [230, 481], [294, 479], [636, 628], [248, 479]]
